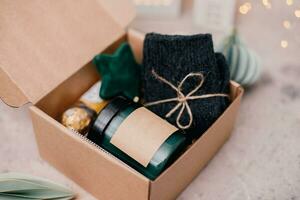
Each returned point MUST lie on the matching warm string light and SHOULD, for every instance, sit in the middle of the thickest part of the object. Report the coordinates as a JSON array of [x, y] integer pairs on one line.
[[289, 2], [286, 24], [297, 13], [245, 8], [267, 4], [284, 44]]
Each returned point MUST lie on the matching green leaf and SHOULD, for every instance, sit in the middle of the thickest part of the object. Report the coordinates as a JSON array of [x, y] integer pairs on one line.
[[10, 185], [20, 186], [39, 194], [8, 197], [11, 197], [36, 180]]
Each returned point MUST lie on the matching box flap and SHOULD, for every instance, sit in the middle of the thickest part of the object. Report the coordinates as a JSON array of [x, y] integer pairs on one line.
[[122, 11], [45, 42]]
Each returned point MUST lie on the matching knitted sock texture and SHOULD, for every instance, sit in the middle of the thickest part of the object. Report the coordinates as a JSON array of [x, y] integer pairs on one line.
[[173, 58]]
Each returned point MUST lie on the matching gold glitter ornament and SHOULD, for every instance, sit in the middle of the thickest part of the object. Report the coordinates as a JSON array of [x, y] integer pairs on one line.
[[78, 119], [84, 111]]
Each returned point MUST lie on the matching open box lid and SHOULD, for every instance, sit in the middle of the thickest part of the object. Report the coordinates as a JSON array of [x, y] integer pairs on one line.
[[42, 43]]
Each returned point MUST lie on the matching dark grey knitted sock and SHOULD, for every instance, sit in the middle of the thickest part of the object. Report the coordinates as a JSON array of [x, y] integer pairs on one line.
[[173, 57]]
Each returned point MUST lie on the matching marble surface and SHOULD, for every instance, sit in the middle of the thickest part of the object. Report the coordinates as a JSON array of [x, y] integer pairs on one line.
[[262, 158]]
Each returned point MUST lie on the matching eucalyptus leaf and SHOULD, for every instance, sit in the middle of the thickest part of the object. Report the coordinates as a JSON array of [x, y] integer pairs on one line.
[[20, 186], [16, 185], [9, 197], [39, 194], [36, 180], [64, 198]]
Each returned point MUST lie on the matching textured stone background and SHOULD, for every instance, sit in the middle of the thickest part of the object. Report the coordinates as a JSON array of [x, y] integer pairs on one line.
[[262, 158]]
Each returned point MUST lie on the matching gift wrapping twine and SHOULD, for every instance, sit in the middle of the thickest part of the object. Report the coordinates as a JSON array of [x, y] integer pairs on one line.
[[183, 99]]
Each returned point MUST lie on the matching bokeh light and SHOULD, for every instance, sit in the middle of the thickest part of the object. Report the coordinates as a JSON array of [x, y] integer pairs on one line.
[[287, 24], [245, 8], [284, 44], [297, 13], [267, 4], [289, 2]]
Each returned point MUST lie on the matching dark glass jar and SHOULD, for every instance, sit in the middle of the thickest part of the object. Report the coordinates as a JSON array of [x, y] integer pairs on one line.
[[115, 116]]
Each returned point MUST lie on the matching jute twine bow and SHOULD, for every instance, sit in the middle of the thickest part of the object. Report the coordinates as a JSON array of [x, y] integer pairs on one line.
[[183, 99]]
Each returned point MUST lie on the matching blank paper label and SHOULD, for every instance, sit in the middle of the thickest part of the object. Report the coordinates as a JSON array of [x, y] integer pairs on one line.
[[141, 134]]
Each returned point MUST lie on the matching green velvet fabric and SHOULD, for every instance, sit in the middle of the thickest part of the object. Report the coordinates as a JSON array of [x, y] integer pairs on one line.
[[120, 73]]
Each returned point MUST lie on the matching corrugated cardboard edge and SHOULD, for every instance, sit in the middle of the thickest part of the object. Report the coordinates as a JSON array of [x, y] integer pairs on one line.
[[90, 167], [176, 178]]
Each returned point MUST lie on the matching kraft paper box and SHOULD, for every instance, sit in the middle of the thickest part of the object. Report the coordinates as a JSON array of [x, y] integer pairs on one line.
[[45, 53]]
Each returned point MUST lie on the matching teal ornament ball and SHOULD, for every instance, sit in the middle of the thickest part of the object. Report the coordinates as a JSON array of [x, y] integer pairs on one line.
[[245, 67]]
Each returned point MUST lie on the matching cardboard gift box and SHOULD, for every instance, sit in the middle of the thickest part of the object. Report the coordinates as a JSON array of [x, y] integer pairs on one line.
[[45, 58]]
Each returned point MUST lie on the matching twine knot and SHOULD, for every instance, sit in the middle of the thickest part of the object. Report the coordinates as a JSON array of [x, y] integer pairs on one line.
[[183, 99]]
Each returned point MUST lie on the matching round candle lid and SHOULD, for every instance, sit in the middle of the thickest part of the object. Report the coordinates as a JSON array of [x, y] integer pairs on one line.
[[105, 116]]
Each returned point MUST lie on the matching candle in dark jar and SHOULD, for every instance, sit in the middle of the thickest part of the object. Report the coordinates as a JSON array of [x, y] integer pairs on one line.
[[137, 136]]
